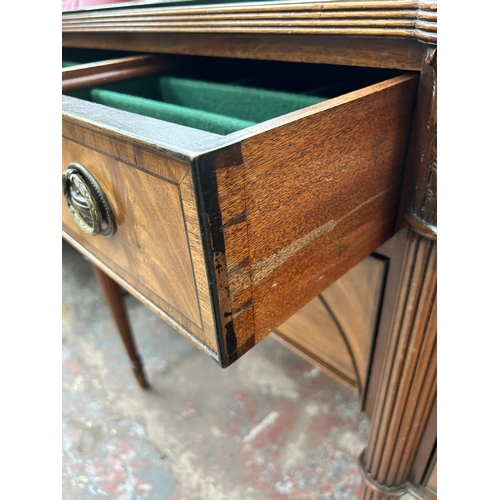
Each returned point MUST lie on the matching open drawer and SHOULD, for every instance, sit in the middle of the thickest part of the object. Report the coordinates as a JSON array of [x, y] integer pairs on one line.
[[233, 193]]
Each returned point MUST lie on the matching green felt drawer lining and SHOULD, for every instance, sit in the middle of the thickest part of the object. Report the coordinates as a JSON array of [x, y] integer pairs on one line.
[[195, 118], [215, 107], [246, 103], [193, 97]]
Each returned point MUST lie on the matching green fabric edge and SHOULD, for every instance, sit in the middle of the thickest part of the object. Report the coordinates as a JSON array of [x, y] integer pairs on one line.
[[203, 120], [245, 103]]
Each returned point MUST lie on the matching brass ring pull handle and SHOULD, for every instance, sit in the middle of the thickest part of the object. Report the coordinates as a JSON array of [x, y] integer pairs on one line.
[[87, 202]]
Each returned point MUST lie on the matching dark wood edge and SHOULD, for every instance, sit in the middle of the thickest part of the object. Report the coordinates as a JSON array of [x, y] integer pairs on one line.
[[179, 142], [344, 338], [116, 70], [210, 220]]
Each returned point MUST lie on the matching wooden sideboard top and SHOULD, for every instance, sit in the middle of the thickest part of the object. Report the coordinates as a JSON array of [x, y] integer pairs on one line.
[[389, 34], [394, 18]]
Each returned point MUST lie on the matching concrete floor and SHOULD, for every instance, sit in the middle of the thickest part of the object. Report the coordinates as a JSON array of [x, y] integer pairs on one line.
[[270, 427]]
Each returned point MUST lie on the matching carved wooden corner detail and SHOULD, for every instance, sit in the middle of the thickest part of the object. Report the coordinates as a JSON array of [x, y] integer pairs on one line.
[[422, 215]]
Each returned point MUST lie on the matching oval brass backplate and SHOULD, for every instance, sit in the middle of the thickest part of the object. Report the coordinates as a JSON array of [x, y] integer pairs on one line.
[[87, 202]]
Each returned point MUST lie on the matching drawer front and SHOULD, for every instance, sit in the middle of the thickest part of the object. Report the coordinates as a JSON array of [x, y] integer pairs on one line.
[[156, 250], [227, 236]]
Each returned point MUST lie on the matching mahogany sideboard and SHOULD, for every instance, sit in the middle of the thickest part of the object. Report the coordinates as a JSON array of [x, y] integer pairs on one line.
[[247, 169]]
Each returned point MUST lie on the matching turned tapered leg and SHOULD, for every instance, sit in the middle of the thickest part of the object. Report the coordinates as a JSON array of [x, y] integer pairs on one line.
[[408, 384], [113, 293]]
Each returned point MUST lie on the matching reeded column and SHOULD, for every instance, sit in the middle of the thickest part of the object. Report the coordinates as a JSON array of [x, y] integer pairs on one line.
[[408, 386]]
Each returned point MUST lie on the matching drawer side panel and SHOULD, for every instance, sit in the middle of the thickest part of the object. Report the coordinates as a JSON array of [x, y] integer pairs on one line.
[[318, 191]]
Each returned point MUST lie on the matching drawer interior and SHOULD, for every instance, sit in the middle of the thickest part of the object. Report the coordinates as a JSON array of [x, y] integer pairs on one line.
[[225, 96]]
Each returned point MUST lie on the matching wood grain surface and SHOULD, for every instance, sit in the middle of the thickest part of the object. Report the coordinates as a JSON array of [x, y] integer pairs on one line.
[[320, 190], [403, 53], [104, 72], [157, 246], [415, 19], [335, 330]]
